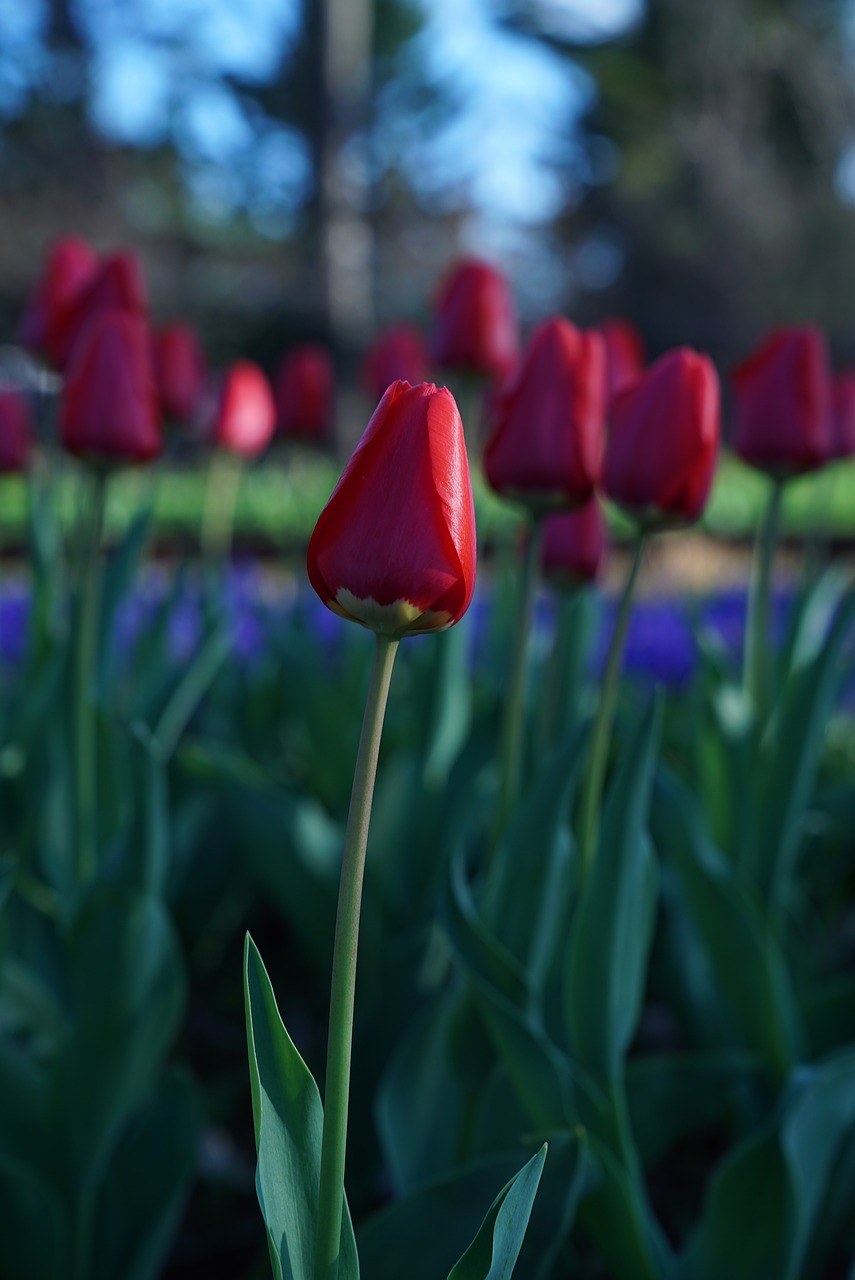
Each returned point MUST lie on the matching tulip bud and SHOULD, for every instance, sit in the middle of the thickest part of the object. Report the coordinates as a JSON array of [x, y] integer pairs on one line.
[[397, 354], [782, 400], [305, 393], [70, 267], [179, 366], [843, 416], [662, 447], [547, 423], [109, 412], [118, 285], [475, 326], [16, 431], [394, 548], [246, 413], [624, 355], [574, 545]]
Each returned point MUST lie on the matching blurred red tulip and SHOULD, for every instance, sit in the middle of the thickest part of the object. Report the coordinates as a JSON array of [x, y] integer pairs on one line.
[[179, 366], [574, 544], [246, 413], [624, 354], [843, 416], [394, 548], [118, 285], [475, 326], [16, 431], [398, 354], [662, 449], [305, 393], [782, 398], [108, 412], [547, 424], [70, 268]]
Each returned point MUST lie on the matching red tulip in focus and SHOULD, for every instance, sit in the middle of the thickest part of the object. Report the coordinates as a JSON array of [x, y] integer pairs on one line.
[[399, 353], [843, 416], [394, 548], [109, 406], [16, 431], [782, 398], [574, 544], [546, 441], [70, 267], [475, 326], [117, 285], [305, 392], [179, 366], [246, 413], [624, 355], [662, 448]]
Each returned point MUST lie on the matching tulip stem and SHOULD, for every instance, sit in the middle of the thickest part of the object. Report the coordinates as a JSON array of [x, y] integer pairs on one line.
[[340, 1042], [601, 732], [757, 661], [513, 725], [566, 660], [86, 666]]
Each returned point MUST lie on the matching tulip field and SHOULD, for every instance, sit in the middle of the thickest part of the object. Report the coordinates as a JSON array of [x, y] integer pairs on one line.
[[436, 896]]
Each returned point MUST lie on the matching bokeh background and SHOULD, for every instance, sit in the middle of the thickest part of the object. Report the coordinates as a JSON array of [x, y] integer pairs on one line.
[[306, 167]]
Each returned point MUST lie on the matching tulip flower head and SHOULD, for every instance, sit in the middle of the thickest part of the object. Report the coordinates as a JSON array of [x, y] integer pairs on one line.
[[843, 416], [782, 401], [118, 285], [624, 355], [475, 326], [394, 548], [305, 393], [49, 315], [16, 431], [574, 545], [547, 423], [179, 366], [246, 412], [108, 413], [398, 354], [663, 444]]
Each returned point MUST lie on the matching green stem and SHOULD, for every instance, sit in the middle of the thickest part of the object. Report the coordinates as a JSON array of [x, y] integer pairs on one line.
[[601, 733], [331, 1193], [569, 645], [85, 673], [513, 725], [757, 653]]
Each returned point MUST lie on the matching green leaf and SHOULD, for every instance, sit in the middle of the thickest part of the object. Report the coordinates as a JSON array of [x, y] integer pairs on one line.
[[147, 1185], [790, 758], [765, 1200], [449, 710], [612, 929], [618, 1219], [288, 1119], [494, 1251], [748, 966]]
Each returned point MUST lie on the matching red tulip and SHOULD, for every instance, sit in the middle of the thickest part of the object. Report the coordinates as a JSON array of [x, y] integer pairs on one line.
[[662, 448], [394, 548], [475, 326], [782, 396], [843, 416], [624, 354], [179, 366], [246, 413], [305, 391], [109, 406], [399, 353], [546, 442], [16, 431], [574, 544], [70, 267], [117, 285]]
